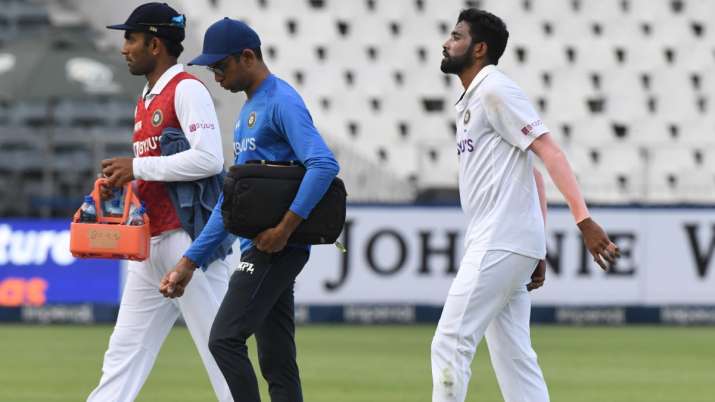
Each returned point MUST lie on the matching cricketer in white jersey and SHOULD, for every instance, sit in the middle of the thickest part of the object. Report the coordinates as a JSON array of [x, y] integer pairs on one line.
[[498, 133], [171, 98]]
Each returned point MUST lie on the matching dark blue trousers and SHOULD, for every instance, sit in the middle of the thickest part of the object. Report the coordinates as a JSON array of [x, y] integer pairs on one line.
[[260, 301]]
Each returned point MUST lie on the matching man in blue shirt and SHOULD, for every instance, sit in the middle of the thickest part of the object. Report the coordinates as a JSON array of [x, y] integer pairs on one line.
[[274, 125]]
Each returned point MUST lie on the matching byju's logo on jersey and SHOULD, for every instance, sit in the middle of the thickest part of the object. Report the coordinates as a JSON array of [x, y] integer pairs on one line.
[[246, 144], [465, 146], [156, 118], [196, 126], [146, 146], [251, 119]]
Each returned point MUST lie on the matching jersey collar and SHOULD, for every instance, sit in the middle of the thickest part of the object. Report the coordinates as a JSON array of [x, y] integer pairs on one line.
[[264, 85], [481, 75], [162, 81]]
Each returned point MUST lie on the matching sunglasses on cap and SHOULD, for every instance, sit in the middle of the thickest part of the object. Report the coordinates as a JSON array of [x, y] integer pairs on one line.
[[176, 22]]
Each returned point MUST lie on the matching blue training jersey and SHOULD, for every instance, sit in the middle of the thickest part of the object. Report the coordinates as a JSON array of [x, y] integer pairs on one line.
[[274, 125]]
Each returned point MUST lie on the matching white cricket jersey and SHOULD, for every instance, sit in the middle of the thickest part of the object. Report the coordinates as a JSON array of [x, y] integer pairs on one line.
[[197, 117], [496, 124]]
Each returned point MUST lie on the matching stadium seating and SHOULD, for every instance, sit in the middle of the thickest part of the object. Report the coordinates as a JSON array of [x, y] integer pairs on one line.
[[626, 86]]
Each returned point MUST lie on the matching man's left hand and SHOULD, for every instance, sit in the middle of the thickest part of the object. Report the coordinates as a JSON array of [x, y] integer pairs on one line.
[[275, 239], [272, 240], [118, 171], [538, 277]]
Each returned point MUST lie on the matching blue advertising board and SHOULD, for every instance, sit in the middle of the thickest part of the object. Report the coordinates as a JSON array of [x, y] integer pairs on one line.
[[36, 267]]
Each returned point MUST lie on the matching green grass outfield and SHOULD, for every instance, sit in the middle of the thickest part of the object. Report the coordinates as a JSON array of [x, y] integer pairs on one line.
[[379, 364]]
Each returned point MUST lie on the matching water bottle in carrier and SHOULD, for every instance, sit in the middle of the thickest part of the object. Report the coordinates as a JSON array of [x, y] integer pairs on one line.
[[104, 228], [88, 211], [136, 216], [114, 206]]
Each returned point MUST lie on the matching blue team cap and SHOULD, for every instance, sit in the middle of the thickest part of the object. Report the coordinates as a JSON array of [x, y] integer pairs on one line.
[[156, 18], [224, 38]]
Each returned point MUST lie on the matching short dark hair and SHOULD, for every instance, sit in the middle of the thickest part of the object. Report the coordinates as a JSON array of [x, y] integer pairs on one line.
[[173, 48], [256, 51], [486, 27]]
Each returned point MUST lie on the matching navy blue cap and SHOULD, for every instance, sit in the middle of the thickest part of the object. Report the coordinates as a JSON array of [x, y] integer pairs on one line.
[[158, 19], [226, 37]]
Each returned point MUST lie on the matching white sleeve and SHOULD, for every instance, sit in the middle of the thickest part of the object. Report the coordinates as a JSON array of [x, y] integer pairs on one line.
[[512, 115], [197, 117]]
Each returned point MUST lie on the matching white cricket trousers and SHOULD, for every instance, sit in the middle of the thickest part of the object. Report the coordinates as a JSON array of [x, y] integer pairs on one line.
[[488, 298], [146, 317]]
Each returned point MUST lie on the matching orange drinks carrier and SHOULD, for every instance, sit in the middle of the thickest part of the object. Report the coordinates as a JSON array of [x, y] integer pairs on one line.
[[110, 237]]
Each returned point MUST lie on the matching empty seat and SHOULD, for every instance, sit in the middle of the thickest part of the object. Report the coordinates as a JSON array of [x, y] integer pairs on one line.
[[619, 27], [623, 83], [603, 10], [439, 166], [548, 55], [424, 29], [572, 106], [708, 155], [390, 9], [317, 26], [666, 170], [655, 133], [403, 105], [615, 174], [428, 82], [655, 10], [349, 10], [699, 8], [288, 56], [510, 11], [586, 27], [623, 107], [29, 114], [370, 30], [697, 186], [599, 131], [433, 130], [697, 132]]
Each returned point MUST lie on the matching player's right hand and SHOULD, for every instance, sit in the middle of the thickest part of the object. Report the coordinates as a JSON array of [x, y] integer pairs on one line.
[[603, 250], [174, 283], [105, 192], [538, 276]]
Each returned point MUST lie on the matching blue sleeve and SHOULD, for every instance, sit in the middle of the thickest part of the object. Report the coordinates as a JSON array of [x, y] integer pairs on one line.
[[294, 121], [210, 237]]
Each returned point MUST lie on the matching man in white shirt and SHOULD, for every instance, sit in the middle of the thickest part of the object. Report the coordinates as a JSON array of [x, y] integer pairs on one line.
[[171, 100], [498, 133]]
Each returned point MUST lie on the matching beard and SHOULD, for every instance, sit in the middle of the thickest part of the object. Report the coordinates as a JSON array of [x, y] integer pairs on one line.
[[134, 70], [457, 64], [143, 68]]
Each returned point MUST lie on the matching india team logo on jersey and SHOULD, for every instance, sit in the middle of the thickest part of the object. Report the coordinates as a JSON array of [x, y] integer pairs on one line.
[[157, 118], [467, 116], [251, 119]]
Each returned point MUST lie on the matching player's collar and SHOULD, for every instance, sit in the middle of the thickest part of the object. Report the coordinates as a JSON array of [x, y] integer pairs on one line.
[[481, 75], [159, 85]]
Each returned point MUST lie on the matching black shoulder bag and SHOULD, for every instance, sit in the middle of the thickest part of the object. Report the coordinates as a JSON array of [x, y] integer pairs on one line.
[[257, 195]]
